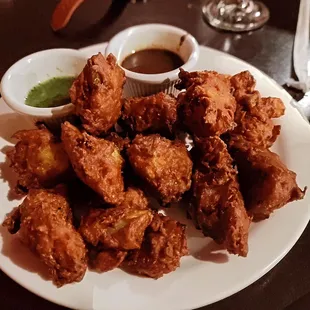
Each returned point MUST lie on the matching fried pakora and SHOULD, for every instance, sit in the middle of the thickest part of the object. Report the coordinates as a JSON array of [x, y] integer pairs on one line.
[[254, 114], [164, 164], [121, 142], [112, 232], [97, 162], [121, 227], [107, 260], [156, 113], [266, 183], [38, 159], [207, 107], [97, 92], [82, 199], [163, 246], [217, 206], [44, 223]]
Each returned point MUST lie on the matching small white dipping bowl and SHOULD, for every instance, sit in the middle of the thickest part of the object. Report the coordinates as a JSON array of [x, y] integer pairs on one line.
[[36, 68], [147, 36]]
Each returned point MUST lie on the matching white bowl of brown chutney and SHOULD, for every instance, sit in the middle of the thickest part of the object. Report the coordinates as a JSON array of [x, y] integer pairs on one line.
[[151, 56], [38, 84]]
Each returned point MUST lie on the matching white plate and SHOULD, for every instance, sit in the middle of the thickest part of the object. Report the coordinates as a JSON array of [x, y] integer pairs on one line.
[[206, 276]]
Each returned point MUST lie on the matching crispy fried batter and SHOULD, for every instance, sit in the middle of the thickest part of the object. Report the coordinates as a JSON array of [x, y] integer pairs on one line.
[[12, 221], [253, 115], [114, 231], [97, 162], [156, 113], [163, 246], [38, 159], [253, 130], [46, 228], [121, 227], [266, 183], [207, 107], [217, 205], [82, 199], [97, 93], [107, 260], [120, 142], [164, 164]]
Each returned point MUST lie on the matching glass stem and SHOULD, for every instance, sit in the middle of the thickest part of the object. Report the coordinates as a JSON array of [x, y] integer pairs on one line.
[[245, 4], [236, 15], [240, 2]]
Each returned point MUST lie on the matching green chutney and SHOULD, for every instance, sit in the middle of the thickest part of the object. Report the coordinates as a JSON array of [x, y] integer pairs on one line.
[[51, 93]]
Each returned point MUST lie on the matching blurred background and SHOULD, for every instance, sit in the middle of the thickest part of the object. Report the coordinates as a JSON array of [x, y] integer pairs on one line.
[[25, 28]]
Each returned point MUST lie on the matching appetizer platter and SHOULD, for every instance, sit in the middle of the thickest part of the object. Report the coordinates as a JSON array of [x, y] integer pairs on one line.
[[161, 200]]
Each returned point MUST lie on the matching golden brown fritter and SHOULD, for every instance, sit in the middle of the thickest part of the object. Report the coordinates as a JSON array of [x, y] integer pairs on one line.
[[266, 183], [251, 129], [107, 260], [155, 113], [121, 142], [207, 107], [38, 159], [164, 164], [82, 199], [113, 231], [163, 246], [253, 115], [244, 88], [97, 92], [97, 162], [12, 221], [121, 227], [217, 205], [243, 83], [45, 222]]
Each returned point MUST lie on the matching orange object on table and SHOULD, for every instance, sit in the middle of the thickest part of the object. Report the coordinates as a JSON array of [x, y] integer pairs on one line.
[[63, 12]]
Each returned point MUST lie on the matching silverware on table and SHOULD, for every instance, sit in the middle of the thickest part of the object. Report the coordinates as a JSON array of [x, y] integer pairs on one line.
[[301, 59]]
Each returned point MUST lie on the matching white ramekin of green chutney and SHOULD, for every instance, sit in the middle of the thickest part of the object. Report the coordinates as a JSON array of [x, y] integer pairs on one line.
[[38, 84]]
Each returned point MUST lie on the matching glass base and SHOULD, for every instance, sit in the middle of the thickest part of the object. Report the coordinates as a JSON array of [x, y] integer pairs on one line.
[[237, 17]]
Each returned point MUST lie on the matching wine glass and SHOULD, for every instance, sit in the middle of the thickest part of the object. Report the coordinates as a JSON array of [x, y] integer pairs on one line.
[[235, 15]]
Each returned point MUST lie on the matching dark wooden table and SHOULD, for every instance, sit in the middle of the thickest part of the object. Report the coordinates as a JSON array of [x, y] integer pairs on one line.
[[24, 28]]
